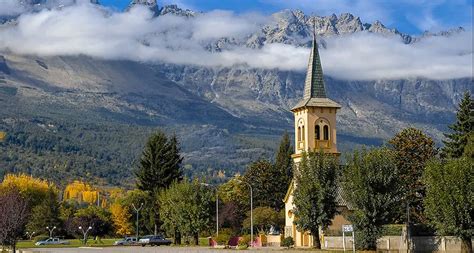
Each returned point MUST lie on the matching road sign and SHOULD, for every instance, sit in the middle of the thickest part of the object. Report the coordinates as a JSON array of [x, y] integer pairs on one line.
[[347, 228]]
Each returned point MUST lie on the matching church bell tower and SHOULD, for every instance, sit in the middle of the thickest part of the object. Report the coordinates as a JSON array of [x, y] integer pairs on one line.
[[315, 114]]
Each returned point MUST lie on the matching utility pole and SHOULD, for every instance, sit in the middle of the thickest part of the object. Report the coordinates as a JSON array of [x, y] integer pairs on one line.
[[138, 211]]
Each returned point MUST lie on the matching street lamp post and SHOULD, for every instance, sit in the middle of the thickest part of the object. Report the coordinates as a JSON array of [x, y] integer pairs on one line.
[[85, 233], [217, 207], [251, 211], [138, 211], [51, 231], [30, 235]]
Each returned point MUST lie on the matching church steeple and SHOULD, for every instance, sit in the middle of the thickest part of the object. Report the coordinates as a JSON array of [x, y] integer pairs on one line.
[[314, 84], [314, 89]]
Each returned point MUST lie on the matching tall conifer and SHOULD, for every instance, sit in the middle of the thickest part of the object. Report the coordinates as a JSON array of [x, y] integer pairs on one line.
[[160, 163], [464, 125]]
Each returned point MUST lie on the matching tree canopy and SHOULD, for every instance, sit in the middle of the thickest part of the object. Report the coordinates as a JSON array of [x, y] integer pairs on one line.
[[412, 150], [186, 208], [449, 198], [372, 187], [315, 193]]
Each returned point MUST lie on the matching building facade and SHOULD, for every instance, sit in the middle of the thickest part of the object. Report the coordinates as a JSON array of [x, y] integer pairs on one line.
[[315, 129]]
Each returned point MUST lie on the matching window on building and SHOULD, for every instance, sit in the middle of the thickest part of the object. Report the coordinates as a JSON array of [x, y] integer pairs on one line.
[[302, 133], [299, 133], [318, 132], [326, 132]]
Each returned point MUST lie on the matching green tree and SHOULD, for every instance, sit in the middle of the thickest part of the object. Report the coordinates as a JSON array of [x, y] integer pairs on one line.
[[186, 208], [284, 162], [315, 193], [449, 201], [45, 214], [464, 125], [372, 187], [96, 217], [469, 149], [160, 163], [147, 214], [413, 149], [261, 176], [235, 199], [264, 218], [283, 171]]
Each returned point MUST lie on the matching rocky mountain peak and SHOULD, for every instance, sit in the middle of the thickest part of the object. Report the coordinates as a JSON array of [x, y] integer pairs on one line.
[[175, 10], [151, 4]]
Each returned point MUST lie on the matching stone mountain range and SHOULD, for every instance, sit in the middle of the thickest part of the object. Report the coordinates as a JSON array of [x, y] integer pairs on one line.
[[225, 117]]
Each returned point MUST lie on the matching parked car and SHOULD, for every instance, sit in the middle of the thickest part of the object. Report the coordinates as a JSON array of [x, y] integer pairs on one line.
[[126, 241], [153, 240], [52, 241]]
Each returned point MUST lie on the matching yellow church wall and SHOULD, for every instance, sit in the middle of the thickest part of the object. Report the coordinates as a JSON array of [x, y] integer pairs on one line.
[[309, 118]]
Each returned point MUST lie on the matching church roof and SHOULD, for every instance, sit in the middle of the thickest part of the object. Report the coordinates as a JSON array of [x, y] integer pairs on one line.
[[314, 89]]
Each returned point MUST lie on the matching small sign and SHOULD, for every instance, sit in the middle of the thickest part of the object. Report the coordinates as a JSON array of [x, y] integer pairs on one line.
[[3, 135], [347, 228]]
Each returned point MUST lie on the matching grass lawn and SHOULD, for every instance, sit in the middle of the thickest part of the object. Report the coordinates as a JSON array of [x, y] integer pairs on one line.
[[73, 243]]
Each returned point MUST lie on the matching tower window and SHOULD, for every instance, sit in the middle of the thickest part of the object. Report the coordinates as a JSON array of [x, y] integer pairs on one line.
[[299, 133], [318, 132], [326, 132], [302, 133]]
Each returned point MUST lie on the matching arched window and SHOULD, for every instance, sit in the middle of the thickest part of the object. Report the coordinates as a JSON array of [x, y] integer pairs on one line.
[[302, 133], [299, 133], [326, 132], [317, 132]]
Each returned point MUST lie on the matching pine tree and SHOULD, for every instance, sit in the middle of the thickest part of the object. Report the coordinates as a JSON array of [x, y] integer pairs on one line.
[[315, 193], [464, 125], [283, 161], [160, 166], [160, 163]]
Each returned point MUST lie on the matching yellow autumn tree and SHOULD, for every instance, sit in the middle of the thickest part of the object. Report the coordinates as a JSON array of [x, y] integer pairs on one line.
[[81, 192], [34, 190], [121, 218]]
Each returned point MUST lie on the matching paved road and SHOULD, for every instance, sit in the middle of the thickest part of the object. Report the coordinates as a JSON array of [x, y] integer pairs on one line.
[[162, 249]]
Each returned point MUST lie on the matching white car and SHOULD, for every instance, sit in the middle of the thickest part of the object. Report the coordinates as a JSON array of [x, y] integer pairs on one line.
[[126, 241], [52, 241]]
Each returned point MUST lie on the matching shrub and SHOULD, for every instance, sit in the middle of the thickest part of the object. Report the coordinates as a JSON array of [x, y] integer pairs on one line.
[[223, 238], [288, 242], [392, 230], [244, 241]]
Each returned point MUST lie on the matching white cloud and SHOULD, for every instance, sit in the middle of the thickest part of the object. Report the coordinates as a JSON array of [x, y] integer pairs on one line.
[[135, 35]]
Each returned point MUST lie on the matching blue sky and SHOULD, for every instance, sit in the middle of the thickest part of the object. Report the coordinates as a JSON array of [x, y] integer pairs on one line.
[[409, 16]]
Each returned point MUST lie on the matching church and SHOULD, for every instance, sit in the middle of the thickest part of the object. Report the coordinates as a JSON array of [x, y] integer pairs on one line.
[[315, 129]]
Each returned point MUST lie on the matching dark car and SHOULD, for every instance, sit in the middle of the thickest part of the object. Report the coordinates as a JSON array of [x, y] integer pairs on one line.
[[154, 240]]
